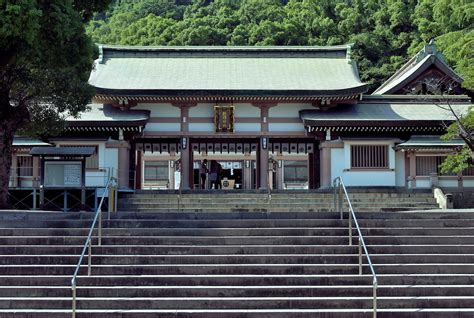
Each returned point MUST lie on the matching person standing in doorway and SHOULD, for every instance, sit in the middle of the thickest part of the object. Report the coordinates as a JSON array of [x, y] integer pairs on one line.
[[213, 175], [219, 176], [203, 171]]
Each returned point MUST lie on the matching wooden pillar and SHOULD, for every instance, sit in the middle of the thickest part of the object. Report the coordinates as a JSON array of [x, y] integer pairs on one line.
[[42, 183], [36, 172], [325, 161], [247, 174], [14, 171], [279, 174], [138, 172], [123, 164], [412, 176], [325, 166], [262, 151], [185, 164], [187, 181], [263, 163], [313, 167], [83, 185]]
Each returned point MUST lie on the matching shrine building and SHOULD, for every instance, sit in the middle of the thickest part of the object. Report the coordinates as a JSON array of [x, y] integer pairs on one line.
[[273, 117]]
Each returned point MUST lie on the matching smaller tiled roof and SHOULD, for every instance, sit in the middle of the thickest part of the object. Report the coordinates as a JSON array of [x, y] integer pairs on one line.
[[19, 141], [422, 141], [63, 151], [429, 56], [385, 111], [107, 115]]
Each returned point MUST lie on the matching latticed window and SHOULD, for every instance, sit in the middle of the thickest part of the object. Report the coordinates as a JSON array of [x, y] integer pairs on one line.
[[296, 171], [369, 156], [426, 165], [156, 170], [468, 172], [25, 166]]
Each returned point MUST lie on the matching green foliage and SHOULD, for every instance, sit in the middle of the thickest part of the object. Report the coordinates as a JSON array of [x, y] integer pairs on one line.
[[459, 162], [46, 58], [386, 33], [464, 158]]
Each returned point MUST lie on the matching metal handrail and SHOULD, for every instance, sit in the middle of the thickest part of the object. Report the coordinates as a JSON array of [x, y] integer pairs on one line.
[[88, 243], [340, 187]]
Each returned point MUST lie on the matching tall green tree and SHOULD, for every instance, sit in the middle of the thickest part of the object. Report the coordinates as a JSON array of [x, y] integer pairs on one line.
[[45, 61]]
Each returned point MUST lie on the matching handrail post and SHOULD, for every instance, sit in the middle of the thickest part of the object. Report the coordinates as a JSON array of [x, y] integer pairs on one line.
[[74, 300], [99, 242], [375, 300], [362, 247], [87, 248], [350, 227], [89, 259], [334, 195], [340, 199]]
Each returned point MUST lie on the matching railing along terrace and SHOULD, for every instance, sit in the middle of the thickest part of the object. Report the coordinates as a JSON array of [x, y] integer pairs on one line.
[[111, 187], [340, 191]]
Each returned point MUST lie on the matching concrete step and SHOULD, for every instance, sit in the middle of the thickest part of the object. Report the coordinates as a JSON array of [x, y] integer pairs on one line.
[[243, 223], [235, 249], [235, 269], [433, 279], [236, 302], [238, 291], [305, 231], [244, 313], [235, 240], [238, 259]]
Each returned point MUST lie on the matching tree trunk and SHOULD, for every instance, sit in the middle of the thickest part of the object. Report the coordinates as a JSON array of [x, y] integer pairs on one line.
[[12, 118], [6, 140]]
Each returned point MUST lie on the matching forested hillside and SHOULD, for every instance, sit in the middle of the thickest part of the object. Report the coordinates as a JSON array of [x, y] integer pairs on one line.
[[385, 33]]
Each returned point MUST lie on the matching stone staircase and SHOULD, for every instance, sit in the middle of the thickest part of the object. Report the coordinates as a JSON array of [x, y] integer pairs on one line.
[[238, 264], [371, 200]]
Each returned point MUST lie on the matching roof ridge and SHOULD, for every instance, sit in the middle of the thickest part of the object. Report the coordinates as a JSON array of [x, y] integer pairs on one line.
[[341, 47]]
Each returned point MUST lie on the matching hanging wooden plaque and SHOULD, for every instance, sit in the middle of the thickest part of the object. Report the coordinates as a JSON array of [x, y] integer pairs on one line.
[[224, 119]]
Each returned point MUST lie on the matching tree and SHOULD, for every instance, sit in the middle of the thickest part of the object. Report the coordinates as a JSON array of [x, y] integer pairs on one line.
[[45, 61], [461, 128]]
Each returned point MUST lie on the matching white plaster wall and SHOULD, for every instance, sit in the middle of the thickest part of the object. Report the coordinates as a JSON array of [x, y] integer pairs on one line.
[[450, 183], [160, 110], [286, 127], [163, 127], [201, 127], [468, 182], [369, 177], [340, 166], [400, 168], [290, 110], [423, 182], [247, 127], [337, 162], [243, 110], [202, 110]]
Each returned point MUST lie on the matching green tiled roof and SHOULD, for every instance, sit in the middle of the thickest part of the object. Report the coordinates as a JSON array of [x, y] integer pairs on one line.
[[62, 151], [430, 141], [20, 141], [180, 70], [105, 114], [387, 109]]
